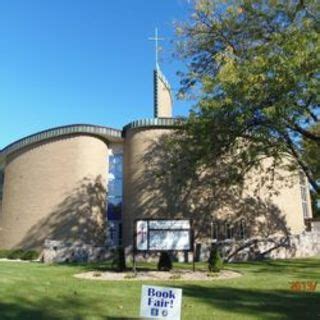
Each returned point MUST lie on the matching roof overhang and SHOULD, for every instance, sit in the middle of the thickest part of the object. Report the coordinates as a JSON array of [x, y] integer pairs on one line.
[[105, 133]]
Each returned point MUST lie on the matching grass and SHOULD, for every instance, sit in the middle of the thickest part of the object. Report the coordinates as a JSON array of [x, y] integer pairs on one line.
[[36, 291]]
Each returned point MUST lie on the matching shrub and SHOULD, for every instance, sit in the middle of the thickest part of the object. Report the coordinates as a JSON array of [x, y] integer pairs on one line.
[[15, 254], [30, 255], [4, 253], [215, 262], [119, 260], [164, 263]]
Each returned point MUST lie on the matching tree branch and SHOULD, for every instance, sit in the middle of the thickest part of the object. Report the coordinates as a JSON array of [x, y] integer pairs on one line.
[[302, 165]]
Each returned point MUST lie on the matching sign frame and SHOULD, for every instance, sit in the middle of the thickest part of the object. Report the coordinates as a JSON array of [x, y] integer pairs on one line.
[[190, 230]]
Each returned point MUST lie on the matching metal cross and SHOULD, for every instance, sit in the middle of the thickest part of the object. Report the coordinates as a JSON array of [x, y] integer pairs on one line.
[[156, 39]]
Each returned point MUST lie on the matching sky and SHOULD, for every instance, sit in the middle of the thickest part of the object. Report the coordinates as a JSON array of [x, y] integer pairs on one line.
[[82, 61]]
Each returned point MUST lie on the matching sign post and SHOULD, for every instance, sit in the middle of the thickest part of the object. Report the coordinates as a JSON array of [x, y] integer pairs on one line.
[[160, 303]]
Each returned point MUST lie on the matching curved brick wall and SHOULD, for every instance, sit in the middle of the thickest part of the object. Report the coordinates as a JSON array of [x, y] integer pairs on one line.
[[55, 190], [140, 189]]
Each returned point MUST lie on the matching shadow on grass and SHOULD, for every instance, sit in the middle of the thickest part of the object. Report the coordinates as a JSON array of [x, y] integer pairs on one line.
[[61, 308], [264, 304], [299, 268], [46, 308]]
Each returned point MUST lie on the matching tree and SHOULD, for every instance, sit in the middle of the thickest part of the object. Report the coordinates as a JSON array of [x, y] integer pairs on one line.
[[311, 156], [255, 69], [311, 153], [189, 189]]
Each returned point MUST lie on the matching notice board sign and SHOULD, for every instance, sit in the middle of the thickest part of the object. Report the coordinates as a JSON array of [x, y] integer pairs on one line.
[[160, 303], [163, 235]]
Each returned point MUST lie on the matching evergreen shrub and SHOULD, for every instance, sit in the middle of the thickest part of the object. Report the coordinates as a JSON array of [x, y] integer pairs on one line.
[[215, 263], [30, 255], [15, 254], [164, 263]]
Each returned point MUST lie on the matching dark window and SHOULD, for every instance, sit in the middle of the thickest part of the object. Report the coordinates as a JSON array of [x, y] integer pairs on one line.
[[114, 198], [228, 230], [214, 231], [242, 229], [120, 234]]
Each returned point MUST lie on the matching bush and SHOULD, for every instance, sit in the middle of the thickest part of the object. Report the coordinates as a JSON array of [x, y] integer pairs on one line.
[[15, 254], [119, 260], [164, 263], [215, 262], [30, 255], [4, 253]]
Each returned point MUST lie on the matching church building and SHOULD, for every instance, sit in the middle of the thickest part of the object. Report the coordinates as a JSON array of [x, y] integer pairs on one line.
[[86, 185]]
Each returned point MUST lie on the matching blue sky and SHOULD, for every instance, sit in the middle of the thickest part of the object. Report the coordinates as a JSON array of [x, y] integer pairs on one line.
[[82, 61]]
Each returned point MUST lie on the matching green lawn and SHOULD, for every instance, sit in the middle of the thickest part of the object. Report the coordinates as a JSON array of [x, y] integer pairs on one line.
[[37, 291]]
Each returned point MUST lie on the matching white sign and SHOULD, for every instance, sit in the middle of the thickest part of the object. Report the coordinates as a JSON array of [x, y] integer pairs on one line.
[[160, 303], [169, 240], [169, 224], [163, 235]]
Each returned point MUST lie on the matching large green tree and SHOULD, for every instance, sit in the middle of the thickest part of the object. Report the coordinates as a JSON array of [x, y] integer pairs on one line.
[[254, 66], [311, 156], [311, 152]]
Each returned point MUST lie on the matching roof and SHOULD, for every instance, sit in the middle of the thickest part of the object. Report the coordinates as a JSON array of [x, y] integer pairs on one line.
[[106, 133], [153, 123]]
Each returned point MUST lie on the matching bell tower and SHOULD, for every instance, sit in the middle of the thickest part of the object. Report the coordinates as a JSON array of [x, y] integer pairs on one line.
[[162, 96]]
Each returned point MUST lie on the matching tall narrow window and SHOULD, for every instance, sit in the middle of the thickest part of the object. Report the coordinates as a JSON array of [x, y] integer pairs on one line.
[[228, 230], [114, 198], [214, 231], [242, 229], [120, 234], [304, 195]]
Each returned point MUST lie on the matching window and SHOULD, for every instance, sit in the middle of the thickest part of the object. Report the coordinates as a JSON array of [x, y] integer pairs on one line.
[[304, 195], [115, 180], [228, 230], [114, 199], [214, 231], [242, 229], [305, 210], [114, 234], [120, 234]]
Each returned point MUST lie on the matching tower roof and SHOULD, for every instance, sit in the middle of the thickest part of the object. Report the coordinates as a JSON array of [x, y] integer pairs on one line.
[[162, 95]]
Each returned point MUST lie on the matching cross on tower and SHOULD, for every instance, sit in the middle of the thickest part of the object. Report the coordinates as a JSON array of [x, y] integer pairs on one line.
[[156, 39]]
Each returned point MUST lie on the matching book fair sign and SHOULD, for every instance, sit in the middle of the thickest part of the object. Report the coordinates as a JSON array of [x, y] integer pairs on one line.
[[160, 303]]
